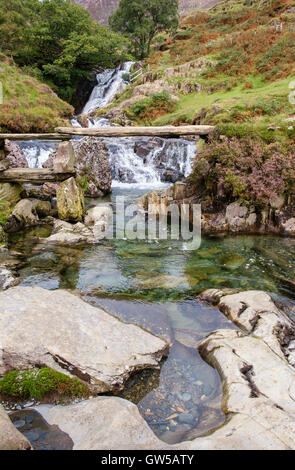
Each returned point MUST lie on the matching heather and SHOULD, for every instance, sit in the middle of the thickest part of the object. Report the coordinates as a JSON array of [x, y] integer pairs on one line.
[[244, 89], [244, 169]]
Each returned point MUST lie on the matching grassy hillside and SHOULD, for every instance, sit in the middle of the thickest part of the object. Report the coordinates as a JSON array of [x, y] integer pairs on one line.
[[245, 89], [29, 105]]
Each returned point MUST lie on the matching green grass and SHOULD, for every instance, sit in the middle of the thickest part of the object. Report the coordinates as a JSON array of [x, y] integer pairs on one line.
[[29, 105], [39, 383], [240, 111]]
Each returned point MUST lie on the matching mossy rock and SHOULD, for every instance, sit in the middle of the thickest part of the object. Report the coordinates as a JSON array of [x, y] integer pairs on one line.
[[39, 383], [10, 193], [70, 201]]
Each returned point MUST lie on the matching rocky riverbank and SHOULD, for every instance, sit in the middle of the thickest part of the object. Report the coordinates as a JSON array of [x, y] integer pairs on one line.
[[256, 364]]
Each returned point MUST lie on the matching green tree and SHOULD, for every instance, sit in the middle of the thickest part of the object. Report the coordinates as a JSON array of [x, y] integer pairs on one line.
[[57, 41], [141, 21]]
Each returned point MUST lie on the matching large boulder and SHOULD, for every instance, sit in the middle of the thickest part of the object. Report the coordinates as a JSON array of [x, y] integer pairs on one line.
[[65, 233], [10, 193], [15, 155], [70, 201], [97, 225], [27, 213], [58, 330], [93, 166], [10, 437]]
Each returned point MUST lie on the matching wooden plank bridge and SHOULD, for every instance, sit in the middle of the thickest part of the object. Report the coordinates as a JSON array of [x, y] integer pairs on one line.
[[66, 133], [41, 175]]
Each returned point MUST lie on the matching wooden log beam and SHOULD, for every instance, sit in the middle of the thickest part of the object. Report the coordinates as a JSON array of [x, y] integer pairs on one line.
[[32, 175], [54, 136], [164, 131]]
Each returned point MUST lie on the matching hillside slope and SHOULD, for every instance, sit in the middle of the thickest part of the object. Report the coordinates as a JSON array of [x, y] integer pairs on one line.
[[29, 105], [102, 9], [232, 67]]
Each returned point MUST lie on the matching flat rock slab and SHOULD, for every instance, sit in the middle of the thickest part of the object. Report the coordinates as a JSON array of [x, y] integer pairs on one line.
[[256, 366], [103, 423], [58, 330], [10, 437]]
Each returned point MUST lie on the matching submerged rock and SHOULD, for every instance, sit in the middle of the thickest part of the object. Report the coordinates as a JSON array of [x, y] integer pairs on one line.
[[70, 201], [58, 330], [10, 437]]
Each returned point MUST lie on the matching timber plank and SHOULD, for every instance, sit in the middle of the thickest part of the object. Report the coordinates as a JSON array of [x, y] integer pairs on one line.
[[130, 131], [32, 175]]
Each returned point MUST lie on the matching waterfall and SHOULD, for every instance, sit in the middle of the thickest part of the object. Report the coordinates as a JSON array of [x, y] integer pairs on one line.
[[37, 151], [134, 160], [165, 156], [150, 161], [109, 82]]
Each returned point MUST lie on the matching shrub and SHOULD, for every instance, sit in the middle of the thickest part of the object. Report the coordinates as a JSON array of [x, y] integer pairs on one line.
[[37, 383], [245, 169], [154, 106]]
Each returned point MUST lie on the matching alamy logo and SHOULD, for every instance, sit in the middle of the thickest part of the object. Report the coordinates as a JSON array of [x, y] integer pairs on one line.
[[159, 222]]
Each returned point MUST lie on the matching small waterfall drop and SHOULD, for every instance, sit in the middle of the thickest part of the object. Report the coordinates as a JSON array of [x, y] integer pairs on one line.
[[109, 82], [150, 161], [37, 151], [165, 157]]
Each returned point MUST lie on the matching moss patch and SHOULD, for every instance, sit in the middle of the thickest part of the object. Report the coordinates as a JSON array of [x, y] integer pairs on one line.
[[39, 383]]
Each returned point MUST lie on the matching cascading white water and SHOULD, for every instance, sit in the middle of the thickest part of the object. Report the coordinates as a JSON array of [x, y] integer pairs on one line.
[[109, 82], [143, 161], [174, 155], [37, 152]]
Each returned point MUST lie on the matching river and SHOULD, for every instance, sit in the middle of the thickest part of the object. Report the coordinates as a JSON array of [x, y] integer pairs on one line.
[[155, 283]]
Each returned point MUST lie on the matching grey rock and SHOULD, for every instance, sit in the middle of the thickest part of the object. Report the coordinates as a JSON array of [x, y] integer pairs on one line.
[[15, 155], [10, 437], [59, 330], [93, 166]]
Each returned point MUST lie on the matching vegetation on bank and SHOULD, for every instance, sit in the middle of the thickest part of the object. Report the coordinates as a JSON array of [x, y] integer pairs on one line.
[[242, 58], [40, 383], [29, 105], [153, 106], [57, 41], [246, 169]]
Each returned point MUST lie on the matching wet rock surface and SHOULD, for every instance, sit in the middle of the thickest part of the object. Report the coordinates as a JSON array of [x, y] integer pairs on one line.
[[60, 331], [27, 213], [93, 166]]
